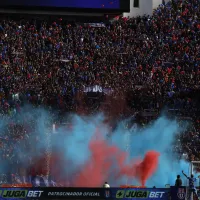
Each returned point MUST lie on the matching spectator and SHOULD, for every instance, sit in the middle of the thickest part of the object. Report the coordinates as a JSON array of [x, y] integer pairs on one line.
[[106, 185], [178, 182]]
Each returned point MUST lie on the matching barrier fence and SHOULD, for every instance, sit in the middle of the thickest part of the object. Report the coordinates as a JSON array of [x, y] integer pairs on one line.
[[172, 193]]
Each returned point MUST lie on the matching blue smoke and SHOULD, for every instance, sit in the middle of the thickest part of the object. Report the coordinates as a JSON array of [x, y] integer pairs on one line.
[[77, 142], [160, 136]]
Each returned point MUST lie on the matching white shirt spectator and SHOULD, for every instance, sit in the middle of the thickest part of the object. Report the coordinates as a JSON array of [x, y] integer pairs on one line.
[[106, 185]]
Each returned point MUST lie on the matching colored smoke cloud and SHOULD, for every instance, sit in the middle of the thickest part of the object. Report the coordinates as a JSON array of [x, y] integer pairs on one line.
[[148, 166], [103, 159], [84, 155]]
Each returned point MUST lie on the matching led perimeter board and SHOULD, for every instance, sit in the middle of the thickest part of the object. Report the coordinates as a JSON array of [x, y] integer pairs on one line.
[[69, 5]]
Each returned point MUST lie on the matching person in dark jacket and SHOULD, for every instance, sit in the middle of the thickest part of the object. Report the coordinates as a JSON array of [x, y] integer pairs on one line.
[[178, 182]]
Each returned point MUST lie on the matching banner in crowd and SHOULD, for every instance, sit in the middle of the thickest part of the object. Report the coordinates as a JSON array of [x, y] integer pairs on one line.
[[96, 25], [97, 88], [84, 193]]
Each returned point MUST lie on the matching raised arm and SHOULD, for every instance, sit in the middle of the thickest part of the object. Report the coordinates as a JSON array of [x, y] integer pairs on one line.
[[184, 174]]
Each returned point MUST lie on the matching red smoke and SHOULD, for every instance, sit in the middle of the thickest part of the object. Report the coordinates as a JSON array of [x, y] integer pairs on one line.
[[147, 167], [106, 162], [109, 160]]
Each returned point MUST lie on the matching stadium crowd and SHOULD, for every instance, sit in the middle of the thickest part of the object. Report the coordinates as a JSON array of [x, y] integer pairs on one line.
[[153, 62]]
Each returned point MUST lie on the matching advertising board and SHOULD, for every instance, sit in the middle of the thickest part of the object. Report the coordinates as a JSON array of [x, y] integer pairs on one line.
[[69, 4]]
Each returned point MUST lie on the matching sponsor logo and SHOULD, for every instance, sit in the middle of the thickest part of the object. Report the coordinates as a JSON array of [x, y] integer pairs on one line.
[[138, 194], [107, 193], [181, 193], [34, 193], [20, 193], [120, 194], [156, 195]]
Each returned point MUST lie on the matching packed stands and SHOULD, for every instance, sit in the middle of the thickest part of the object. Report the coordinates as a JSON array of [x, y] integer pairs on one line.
[[152, 62]]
